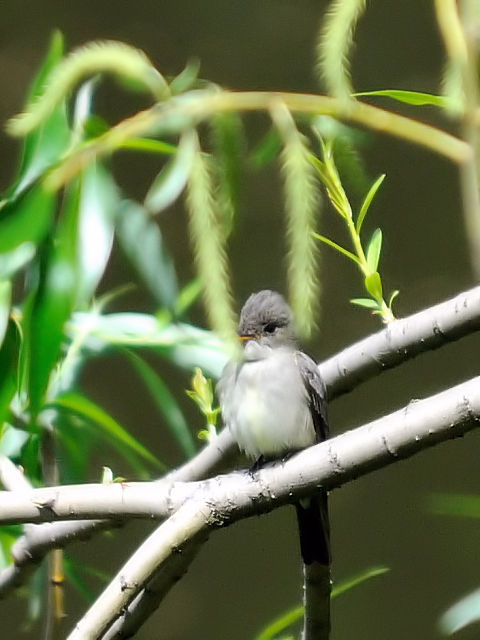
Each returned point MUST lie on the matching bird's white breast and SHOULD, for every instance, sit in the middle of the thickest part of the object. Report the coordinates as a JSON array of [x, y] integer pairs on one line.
[[265, 404]]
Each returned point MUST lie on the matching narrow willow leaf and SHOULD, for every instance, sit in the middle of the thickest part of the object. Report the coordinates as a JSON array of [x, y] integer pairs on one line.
[[166, 403], [141, 240], [337, 247], [149, 145], [373, 284], [335, 43], [52, 306], [393, 295], [118, 58], [15, 260], [186, 79], [454, 504], [368, 201], [112, 430], [302, 206], [5, 303], [293, 615], [170, 182], [208, 240], [98, 204], [373, 250], [266, 150], [463, 613], [26, 219], [9, 368], [416, 98], [365, 302], [45, 146], [228, 148]]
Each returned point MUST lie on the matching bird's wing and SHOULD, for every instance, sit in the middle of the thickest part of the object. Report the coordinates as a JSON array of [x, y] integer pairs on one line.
[[316, 391]]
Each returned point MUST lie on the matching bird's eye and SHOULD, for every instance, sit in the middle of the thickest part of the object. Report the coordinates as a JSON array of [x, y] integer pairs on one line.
[[270, 327]]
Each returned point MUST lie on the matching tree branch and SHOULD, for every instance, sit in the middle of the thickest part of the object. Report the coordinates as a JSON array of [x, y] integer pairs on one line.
[[208, 505], [400, 341]]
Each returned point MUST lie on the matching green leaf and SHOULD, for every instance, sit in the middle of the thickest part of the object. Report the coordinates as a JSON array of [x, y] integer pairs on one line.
[[393, 295], [5, 302], [44, 147], [12, 441], [454, 504], [115, 434], [365, 302], [148, 145], [166, 403], [368, 201], [416, 98], [373, 250], [373, 284], [293, 615], [142, 242], [53, 305], [186, 79], [337, 247], [13, 261], [349, 583], [463, 613], [98, 204], [183, 344], [171, 181], [27, 219], [267, 150]]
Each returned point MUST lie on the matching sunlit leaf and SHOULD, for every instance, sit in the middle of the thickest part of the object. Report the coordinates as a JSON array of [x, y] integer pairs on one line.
[[142, 241], [186, 79], [337, 247], [463, 613], [365, 302], [171, 180], [112, 430], [373, 284], [53, 305], [26, 219], [416, 98], [166, 403], [98, 204], [18, 258], [266, 150], [285, 620], [368, 201], [12, 441], [373, 250], [43, 147], [183, 344], [5, 302], [8, 536]]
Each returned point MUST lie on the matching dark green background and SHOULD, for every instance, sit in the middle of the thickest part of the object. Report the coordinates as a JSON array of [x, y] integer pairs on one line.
[[249, 573]]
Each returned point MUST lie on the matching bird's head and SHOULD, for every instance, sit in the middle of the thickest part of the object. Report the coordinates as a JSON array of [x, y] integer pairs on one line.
[[267, 320]]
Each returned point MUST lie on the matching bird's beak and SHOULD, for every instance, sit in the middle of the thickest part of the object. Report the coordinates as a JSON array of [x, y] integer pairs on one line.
[[245, 337]]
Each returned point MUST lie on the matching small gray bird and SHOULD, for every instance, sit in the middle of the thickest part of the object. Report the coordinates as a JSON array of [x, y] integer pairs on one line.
[[273, 401]]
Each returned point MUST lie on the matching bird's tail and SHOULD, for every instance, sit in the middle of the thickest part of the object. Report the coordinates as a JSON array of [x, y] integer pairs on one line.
[[314, 529]]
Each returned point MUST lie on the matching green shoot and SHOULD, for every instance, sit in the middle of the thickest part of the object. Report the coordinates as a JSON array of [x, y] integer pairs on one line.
[[202, 394], [366, 258]]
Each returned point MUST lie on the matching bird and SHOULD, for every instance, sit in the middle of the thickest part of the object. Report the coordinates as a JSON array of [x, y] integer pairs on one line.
[[273, 400]]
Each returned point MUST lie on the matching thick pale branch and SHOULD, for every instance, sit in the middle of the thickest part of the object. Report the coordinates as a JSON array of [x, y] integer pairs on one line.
[[330, 464], [402, 340], [189, 522], [222, 500]]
